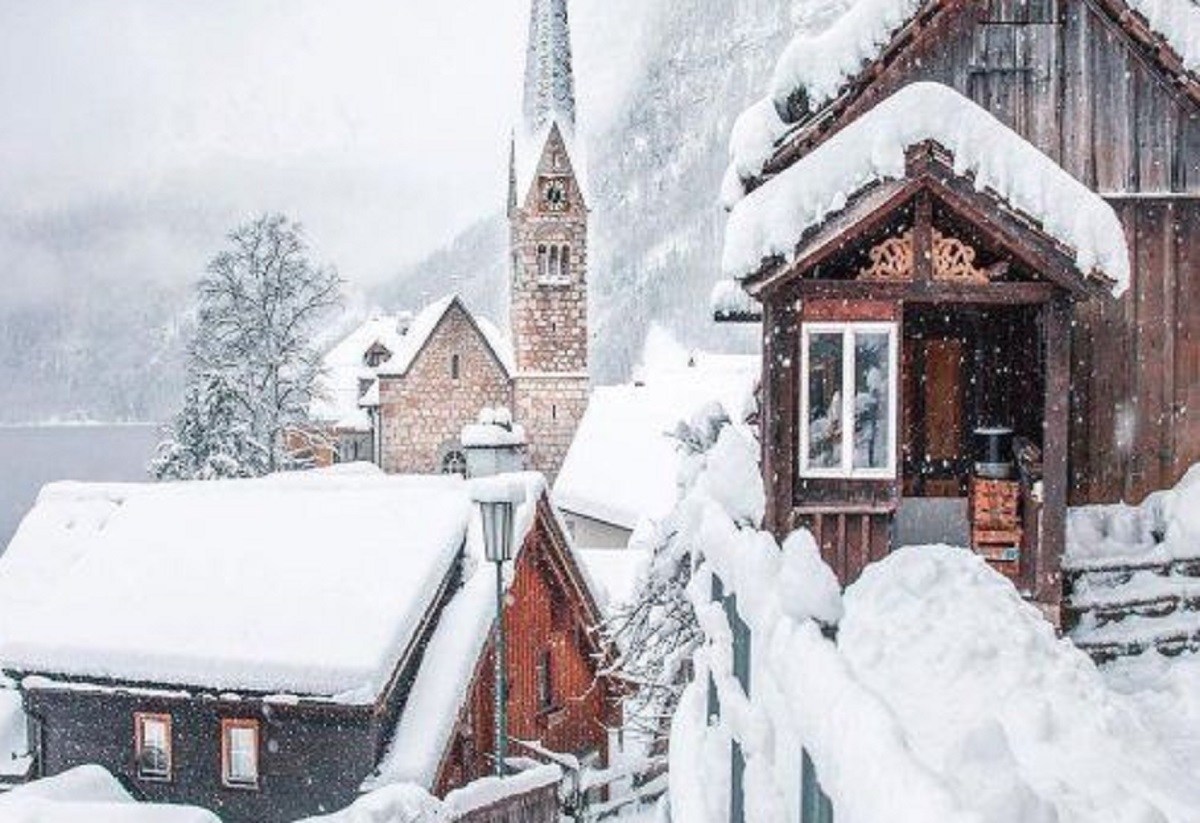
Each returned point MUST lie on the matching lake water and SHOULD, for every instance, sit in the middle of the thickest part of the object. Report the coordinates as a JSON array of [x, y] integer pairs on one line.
[[31, 456]]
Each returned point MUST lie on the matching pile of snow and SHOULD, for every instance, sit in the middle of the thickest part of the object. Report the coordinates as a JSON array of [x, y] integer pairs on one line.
[[494, 428], [954, 689], [623, 464], [771, 220], [126, 592], [1165, 527], [89, 794]]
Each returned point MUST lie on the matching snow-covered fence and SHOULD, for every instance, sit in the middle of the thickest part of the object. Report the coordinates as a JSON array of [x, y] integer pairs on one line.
[[529, 797]]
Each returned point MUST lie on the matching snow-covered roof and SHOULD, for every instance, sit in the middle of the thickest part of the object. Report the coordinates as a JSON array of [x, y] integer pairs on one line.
[[89, 794], [339, 399], [615, 572], [622, 465], [440, 689], [835, 41], [424, 325], [233, 585], [770, 221]]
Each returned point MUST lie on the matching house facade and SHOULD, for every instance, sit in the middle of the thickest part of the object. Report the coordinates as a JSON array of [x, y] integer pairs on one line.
[[947, 310], [369, 662]]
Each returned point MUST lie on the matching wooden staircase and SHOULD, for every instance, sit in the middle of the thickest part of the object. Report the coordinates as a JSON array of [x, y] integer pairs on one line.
[[1119, 609]]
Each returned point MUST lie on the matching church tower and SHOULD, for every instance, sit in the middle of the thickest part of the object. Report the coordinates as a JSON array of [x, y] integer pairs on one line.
[[548, 220]]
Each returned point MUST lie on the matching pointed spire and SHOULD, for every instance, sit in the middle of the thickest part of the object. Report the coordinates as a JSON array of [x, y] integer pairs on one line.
[[549, 77], [512, 175]]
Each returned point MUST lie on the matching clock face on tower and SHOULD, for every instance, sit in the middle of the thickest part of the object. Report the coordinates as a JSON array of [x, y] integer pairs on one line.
[[554, 194]]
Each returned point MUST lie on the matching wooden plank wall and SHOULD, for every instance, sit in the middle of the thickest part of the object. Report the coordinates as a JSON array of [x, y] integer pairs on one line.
[[1065, 75], [1137, 362]]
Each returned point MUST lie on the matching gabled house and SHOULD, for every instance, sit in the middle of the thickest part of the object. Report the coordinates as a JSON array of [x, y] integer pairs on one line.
[[268, 648], [968, 225]]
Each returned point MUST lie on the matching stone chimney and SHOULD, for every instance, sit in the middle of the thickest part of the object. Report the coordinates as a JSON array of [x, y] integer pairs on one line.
[[494, 445]]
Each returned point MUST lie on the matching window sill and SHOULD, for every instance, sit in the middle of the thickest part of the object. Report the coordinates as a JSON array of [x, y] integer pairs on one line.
[[242, 787], [155, 778]]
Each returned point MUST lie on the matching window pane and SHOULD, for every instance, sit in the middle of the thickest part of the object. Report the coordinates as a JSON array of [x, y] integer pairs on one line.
[[243, 754], [872, 412], [825, 401]]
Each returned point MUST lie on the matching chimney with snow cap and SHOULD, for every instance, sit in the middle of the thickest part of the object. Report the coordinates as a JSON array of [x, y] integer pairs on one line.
[[494, 445]]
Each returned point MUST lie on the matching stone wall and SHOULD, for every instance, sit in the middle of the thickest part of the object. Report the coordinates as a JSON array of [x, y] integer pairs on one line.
[[550, 408], [423, 412]]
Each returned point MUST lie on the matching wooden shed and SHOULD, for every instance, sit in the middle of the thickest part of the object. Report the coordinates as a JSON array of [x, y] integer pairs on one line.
[[987, 319]]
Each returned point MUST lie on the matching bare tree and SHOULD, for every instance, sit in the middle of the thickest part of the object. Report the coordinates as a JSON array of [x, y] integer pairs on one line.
[[260, 303]]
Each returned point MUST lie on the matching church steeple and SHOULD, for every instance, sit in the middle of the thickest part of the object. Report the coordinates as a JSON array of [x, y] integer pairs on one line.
[[549, 76]]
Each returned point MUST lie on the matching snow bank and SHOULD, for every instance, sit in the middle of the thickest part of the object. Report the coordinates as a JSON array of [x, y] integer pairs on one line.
[[770, 221], [15, 758], [88, 794], [1163, 528], [124, 579], [622, 465], [956, 692], [1019, 722]]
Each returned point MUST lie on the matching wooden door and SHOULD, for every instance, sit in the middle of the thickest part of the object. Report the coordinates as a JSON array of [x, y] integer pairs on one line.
[[935, 449]]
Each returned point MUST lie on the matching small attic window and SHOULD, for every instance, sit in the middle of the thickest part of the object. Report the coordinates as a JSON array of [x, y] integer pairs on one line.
[[557, 161], [455, 367]]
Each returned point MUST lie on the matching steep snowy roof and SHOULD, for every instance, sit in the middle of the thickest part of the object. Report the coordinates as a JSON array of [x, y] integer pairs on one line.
[[835, 41], [234, 585], [344, 368], [423, 327], [770, 221], [432, 711], [622, 465]]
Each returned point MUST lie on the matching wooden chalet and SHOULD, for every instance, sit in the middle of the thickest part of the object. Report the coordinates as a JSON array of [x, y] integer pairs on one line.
[[946, 319], [275, 670]]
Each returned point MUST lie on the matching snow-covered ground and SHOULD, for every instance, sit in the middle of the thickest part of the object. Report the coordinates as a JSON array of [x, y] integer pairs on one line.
[[958, 693], [89, 794]]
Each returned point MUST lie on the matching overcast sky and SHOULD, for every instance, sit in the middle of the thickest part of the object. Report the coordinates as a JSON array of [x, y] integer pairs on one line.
[[134, 133]]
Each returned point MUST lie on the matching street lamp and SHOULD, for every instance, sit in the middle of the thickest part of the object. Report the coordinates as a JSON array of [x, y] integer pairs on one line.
[[497, 500]]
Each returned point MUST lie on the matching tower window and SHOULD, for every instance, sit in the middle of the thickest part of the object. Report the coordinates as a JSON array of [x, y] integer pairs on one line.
[[455, 367], [553, 411], [555, 263], [564, 263], [543, 256]]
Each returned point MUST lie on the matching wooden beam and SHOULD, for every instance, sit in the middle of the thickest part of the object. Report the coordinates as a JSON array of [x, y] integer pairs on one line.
[[1004, 294], [781, 399], [1056, 321], [923, 239]]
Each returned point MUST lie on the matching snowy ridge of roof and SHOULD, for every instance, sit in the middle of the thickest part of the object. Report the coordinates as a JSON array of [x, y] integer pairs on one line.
[[427, 321], [236, 585], [770, 221], [622, 465]]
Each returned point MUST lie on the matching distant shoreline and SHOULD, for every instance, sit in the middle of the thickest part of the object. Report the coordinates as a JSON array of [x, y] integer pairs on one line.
[[80, 424]]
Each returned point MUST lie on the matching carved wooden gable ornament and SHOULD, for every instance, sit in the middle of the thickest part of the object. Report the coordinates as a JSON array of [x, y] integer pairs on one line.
[[953, 261]]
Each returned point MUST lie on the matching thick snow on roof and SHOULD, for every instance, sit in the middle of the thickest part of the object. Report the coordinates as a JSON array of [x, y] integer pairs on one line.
[[622, 465], [338, 401], [233, 585], [770, 221], [89, 794], [615, 572], [836, 39], [424, 324], [440, 689]]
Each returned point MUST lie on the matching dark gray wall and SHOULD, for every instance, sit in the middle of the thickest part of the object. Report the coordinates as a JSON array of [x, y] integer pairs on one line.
[[312, 760]]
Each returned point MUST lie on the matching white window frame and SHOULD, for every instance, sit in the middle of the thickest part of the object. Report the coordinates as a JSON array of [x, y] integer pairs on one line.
[[229, 727], [141, 722], [849, 330]]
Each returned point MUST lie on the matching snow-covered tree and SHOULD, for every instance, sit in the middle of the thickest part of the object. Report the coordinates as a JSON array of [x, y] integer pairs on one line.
[[252, 365], [657, 631]]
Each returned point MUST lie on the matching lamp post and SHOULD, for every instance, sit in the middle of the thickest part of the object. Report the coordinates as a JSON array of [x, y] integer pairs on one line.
[[497, 501]]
